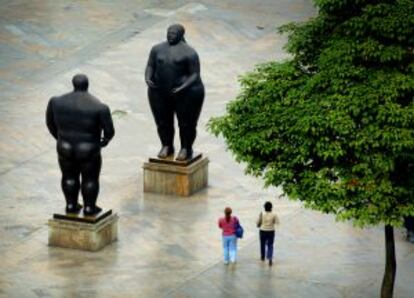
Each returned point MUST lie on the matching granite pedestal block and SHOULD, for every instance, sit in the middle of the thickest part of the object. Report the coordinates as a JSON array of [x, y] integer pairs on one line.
[[168, 176], [77, 231]]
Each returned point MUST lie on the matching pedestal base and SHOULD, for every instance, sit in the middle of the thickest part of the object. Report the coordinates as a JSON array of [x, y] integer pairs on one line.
[[89, 233], [176, 178]]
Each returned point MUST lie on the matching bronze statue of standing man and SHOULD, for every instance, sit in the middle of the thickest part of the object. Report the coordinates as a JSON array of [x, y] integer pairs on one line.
[[81, 125], [175, 87]]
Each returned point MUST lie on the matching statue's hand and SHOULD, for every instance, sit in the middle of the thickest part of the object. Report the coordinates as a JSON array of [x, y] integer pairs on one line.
[[151, 84], [104, 142], [177, 90]]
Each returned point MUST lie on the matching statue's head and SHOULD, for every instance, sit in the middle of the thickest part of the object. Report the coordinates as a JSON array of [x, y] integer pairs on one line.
[[175, 34], [80, 82]]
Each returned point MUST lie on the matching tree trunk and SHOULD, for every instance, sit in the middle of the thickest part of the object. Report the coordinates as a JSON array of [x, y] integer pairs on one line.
[[390, 264]]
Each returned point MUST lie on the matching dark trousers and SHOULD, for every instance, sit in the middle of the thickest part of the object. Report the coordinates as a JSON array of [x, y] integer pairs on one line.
[[267, 239], [409, 223]]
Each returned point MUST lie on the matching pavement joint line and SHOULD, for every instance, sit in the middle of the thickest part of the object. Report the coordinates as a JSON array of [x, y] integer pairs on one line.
[[108, 41], [24, 162], [81, 56], [315, 282]]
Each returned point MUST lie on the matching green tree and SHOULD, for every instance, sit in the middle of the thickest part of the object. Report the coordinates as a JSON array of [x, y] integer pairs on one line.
[[334, 124]]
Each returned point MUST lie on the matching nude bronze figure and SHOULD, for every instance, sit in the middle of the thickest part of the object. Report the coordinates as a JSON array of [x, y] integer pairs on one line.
[[175, 87], [81, 125]]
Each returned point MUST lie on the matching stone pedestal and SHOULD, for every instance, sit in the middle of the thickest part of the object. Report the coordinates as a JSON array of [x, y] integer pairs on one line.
[[168, 176], [83, 232]]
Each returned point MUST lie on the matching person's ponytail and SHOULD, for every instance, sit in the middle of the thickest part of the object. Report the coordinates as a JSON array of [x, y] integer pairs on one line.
[[227, 213]]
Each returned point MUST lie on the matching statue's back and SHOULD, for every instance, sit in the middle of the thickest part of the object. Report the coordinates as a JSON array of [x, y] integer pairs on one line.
[[77, 117]]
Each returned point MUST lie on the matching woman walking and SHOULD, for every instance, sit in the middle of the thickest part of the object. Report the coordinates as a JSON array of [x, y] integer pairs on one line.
[[266, 223], [228, 224]]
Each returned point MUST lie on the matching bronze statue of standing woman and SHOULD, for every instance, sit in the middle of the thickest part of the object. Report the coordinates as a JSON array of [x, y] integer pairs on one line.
[[175, 87]]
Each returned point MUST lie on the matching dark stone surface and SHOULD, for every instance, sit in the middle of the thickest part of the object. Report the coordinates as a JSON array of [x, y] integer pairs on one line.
[[170, 160], [92, 219]]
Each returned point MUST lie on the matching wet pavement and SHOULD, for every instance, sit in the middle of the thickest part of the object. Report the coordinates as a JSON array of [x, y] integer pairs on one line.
[[168, 246]]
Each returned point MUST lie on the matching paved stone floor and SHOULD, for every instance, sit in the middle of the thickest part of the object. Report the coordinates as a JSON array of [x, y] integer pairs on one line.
[[168, 246]]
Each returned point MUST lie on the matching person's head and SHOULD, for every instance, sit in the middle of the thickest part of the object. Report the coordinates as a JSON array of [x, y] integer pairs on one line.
[[80, 82], [268, 206], [227, 212], [175, 34]]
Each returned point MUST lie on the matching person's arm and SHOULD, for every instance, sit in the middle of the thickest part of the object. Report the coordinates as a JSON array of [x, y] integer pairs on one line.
[[150, 69], [276, 220], [50, 119], [194, 71], [259, 220], [107, 126]]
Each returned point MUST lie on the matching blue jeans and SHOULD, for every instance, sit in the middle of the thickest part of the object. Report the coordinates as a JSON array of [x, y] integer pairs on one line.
[[230, 248]]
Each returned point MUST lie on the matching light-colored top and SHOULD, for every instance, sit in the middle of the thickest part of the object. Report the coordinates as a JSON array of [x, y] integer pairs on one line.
[[268, 221], [228, 227]]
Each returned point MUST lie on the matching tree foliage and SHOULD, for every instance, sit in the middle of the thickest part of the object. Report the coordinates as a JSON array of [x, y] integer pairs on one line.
[[334, 125]]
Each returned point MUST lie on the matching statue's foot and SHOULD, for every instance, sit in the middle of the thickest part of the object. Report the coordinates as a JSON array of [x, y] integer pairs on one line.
[[184, 154], [166, 151], [73, 208], [91, 210]]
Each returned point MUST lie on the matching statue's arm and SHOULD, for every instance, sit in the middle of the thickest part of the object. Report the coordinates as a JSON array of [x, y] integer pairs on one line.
[[194, 73], [50, 120], [150, 69], [107, 126]]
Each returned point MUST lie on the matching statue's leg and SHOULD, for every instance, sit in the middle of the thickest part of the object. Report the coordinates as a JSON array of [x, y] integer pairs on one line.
[[90, 171], [70, 183], [162, 108], [188, 111]]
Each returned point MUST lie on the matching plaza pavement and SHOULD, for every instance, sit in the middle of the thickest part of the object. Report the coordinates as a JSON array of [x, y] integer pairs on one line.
[[168, 246]]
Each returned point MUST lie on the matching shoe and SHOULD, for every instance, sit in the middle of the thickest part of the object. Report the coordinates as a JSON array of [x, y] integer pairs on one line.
[[270, 263], [262, 259], [226, 263]]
